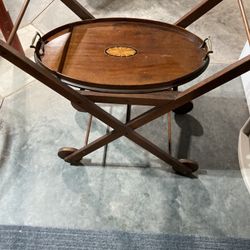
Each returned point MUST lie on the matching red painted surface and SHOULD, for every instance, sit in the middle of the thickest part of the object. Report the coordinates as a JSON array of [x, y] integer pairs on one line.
[[6, 25]]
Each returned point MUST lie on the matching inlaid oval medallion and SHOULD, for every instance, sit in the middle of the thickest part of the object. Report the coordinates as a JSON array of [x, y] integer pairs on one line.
[[121, 51]]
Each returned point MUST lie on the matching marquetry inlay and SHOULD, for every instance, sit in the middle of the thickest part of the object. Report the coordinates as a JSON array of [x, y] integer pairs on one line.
[[121, 51]]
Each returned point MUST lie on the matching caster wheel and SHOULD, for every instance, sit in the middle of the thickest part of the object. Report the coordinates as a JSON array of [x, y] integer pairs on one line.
[[66, 151], [184, 109], [192, 165], [78, 108]]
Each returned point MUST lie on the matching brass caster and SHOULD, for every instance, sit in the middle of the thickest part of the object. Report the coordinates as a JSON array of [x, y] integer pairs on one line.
[[186, 108], [78, 108], [65, 151], [192, 165]]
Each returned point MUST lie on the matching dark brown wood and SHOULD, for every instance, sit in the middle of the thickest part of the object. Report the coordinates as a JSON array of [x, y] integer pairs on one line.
[[65, 50], [246, 24], [51, 81], [85, 99], [227, 74], [66, 151], [158, 152], [190, 164], [86, 141], [230, 72], [18, 21], [169, 127], [120, 129], [6, 27], [98, 143], [150, 99], [78, 9], [197, 12], [128, 113], [105, 150], [160, 48]]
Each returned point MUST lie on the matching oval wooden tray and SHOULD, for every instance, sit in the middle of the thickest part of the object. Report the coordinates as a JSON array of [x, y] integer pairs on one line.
[[123, 55]]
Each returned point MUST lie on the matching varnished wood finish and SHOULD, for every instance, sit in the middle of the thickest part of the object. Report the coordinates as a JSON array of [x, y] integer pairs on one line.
[[50, 80], [197, 12], [165, 55], [169, 124], [86, 140], [66, 151], [149, 99], [78, 9], [57, 51], [64, 53], [223, 76], [85, 100]]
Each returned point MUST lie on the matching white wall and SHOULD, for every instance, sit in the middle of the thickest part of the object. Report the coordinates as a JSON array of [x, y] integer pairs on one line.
[[246, 77]]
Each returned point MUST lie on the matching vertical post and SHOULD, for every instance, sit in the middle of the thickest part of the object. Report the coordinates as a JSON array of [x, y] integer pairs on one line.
[[128, 114], [169, 133], [246, 24], [86, 141]]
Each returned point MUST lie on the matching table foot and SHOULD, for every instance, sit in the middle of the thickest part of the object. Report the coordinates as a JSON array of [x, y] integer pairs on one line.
[[78, 108], [186, 108], [65, 152], [192, 165]]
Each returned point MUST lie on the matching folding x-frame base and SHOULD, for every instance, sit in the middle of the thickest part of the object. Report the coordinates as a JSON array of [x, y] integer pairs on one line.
[[162, 102], [156, 99]]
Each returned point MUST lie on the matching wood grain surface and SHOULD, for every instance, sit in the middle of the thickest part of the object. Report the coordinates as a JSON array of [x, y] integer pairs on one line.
[[166, 55]]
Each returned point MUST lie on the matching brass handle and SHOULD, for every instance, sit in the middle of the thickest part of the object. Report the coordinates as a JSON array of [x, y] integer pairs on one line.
[[34, 39], [33, 45], [207, 43]]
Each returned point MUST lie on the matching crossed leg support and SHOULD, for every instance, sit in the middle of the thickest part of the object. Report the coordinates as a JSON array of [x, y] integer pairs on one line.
[[128, 130], [73, 156], [185, 168]]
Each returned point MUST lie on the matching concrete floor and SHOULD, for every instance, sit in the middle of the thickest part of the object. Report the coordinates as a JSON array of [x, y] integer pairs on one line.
[[142, 193]]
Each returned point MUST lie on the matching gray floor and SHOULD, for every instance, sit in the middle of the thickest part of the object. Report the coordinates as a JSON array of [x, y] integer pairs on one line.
[[135, 191]]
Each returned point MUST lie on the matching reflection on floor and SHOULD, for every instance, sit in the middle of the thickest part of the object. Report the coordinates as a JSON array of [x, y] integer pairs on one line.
[[135, 191]]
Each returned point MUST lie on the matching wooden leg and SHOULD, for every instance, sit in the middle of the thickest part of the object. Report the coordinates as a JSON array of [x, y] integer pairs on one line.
[[128, 114], [76, 155], [78, 9], [169, 133], [88, 130], [121, 129], [105, 149], [102, 141], [66, 151], [197, 12], [184, 109], [153, 149], [106, 146]]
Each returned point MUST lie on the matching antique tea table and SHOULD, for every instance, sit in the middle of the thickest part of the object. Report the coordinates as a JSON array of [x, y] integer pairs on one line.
[[125, 61], [127, 57]]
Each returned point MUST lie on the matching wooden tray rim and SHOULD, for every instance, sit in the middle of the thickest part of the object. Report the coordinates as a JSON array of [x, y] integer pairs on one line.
[[152, 87]]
